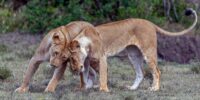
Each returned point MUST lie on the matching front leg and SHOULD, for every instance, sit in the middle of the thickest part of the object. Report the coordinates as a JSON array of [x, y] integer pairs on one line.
[[103, 74], [33, 66], [58, 74], [86, 79], [82, 83], [88, 76]]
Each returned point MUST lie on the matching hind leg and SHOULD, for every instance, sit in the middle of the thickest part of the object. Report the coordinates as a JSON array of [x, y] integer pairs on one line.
[[151, 58], [136, 60]]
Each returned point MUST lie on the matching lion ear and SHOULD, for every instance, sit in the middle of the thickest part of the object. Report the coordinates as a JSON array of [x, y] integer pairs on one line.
[[56, 38]]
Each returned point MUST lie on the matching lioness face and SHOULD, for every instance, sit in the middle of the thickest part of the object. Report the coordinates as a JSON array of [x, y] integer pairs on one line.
[[59, 52], [77, 57]]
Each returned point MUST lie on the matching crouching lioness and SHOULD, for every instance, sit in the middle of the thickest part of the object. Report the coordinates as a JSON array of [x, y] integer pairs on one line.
[[54, 49], [136, 36]]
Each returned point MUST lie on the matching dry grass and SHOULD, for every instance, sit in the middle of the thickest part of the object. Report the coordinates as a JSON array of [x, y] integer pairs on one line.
[[177, 81], [196, 68]]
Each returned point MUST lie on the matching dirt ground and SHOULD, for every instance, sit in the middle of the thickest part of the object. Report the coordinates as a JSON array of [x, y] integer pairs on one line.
[[178, 82]]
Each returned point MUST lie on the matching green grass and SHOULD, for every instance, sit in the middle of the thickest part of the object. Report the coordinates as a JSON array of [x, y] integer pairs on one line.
[[177, 81], [3, 48], [5, 73]]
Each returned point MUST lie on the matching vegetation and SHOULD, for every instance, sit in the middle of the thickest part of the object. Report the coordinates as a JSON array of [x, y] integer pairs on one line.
[[40, 16], [5, 73], [3, 48], [195, 68]]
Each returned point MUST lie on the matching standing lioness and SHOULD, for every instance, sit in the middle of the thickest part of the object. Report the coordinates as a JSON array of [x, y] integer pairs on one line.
[[136, 36]]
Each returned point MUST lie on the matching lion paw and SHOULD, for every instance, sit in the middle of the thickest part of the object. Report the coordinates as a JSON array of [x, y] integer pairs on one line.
[[154, 88], [95, 86], [131, 87], [49, 90], [89, 84], [104, 89], [22, 89]]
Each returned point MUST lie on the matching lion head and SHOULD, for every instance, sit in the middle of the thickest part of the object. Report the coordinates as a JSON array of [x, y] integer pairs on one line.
[[79, 53], [59, 53], [84, 48]]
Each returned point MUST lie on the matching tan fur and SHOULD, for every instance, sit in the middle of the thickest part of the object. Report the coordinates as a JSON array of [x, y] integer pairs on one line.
[[109, 39], [54, 48]]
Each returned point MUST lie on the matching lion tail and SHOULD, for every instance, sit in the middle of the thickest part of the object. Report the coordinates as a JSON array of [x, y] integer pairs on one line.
[[188, 12]]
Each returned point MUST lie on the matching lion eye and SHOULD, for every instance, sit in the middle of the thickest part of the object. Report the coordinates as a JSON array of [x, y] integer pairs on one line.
[[55, 53], [78, 46]]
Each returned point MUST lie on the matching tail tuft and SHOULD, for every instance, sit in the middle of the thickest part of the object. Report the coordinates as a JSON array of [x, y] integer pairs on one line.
[[188, 11]]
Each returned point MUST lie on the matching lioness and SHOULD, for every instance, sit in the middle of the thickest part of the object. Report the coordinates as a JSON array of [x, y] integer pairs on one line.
[[136, 36], [53, 48]]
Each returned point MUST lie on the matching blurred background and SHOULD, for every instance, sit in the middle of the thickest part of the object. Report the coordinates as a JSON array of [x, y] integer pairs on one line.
[[37, 16]]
